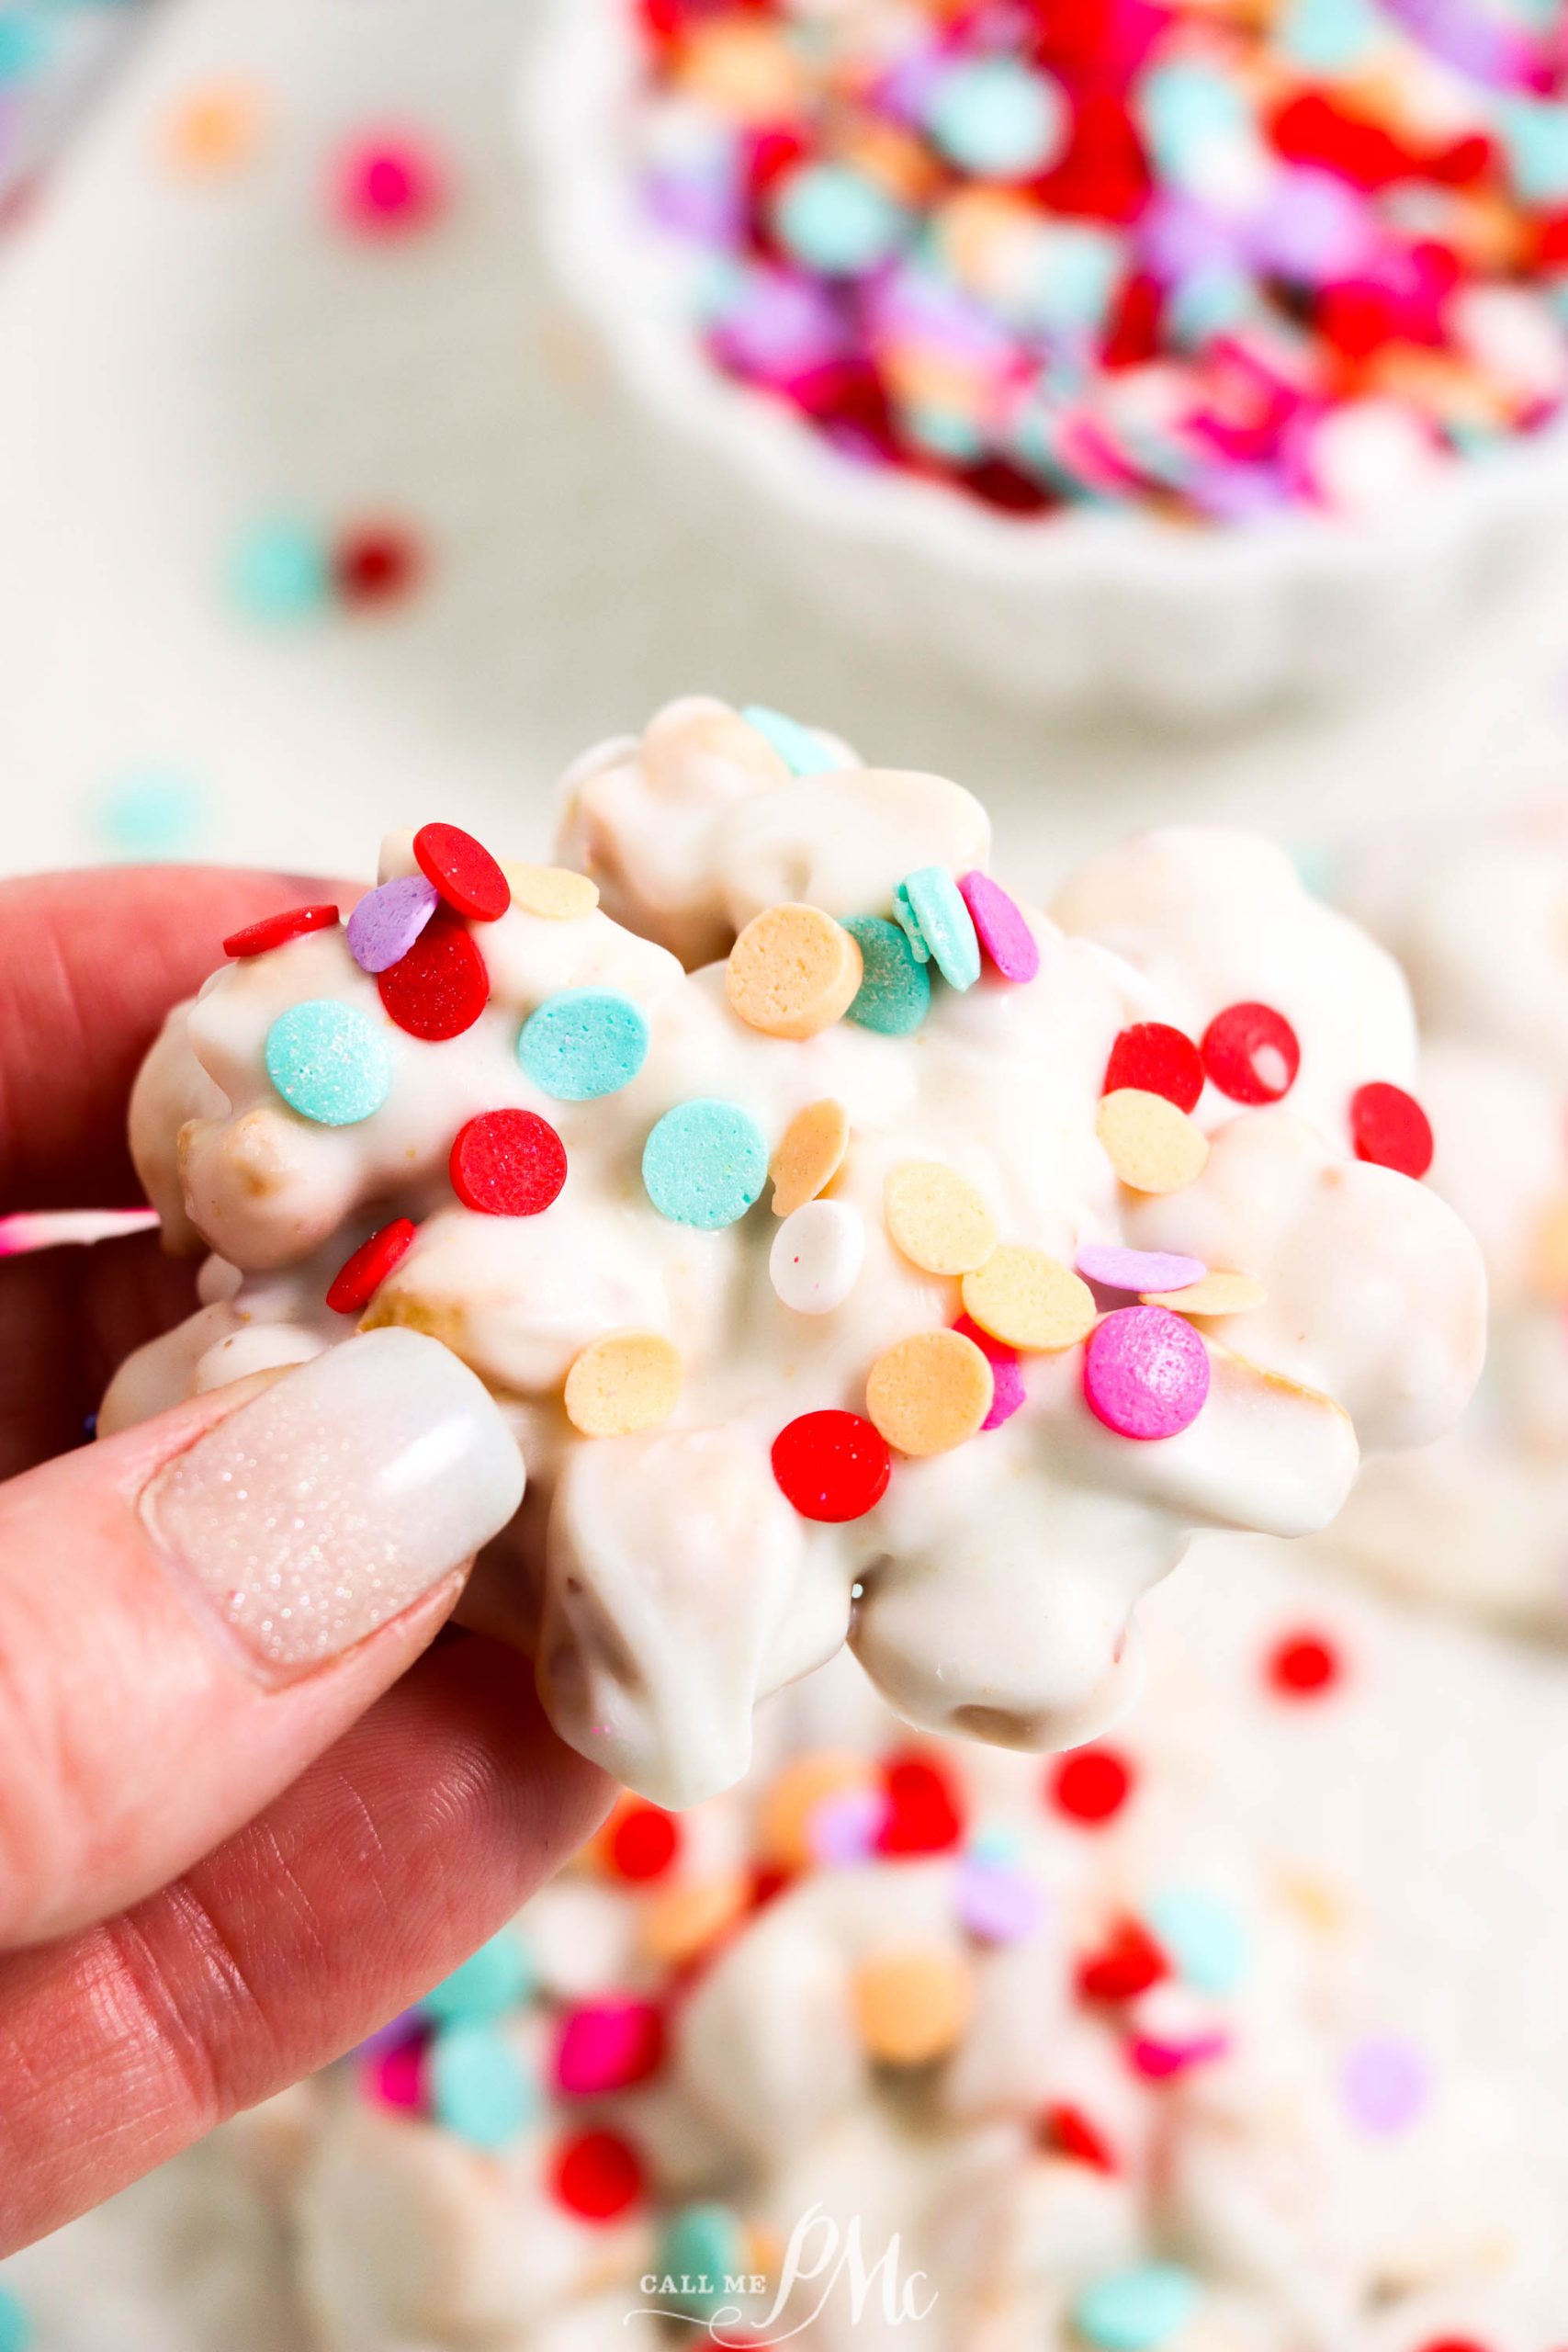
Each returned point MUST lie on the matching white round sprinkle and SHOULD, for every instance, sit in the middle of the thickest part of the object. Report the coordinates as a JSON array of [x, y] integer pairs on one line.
[[817, 1256]]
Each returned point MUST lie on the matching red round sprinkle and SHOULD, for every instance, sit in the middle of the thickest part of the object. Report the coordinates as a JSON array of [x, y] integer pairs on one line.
[[1390, 1128], [1128, 1964], [597, 2174], [831, 1465], [463, 871], [360, 1277], [376, 564], [441, 987], [643, 1842], [923, 1813], [1251, 1053], [1065, 2130], [1090, 1784], [1156, 1059], [1303, 1665], [277, 931], [508, 1164], [1454, 2344]]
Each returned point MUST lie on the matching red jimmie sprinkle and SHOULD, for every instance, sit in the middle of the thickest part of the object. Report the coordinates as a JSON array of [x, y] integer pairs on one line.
[[1090, 1784], [440, 987], [1156, 1059], [1303, 1665], [465, 872], [360, 1277], [924, 1814], [597, 2174], [1129, 1962], [1251, 1053], [643, 1843], [508, 1164], [277, 931], [831, 1465], [1065, 2130], [1390, 1128]]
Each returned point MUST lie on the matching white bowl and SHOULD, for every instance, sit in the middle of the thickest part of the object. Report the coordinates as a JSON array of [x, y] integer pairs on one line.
[[1084, 608]]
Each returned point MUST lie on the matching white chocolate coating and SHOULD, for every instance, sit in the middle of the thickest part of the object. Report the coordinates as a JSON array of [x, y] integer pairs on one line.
[[663, 1580]]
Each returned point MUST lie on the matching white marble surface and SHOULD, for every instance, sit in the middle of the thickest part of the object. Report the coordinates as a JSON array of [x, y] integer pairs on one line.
[[177, 359]]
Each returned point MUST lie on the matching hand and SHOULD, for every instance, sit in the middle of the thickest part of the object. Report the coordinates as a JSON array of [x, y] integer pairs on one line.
[[229, 1848]]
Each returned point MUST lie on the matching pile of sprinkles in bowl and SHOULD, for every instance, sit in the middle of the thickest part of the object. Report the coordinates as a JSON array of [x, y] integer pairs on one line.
[[1223, 261]]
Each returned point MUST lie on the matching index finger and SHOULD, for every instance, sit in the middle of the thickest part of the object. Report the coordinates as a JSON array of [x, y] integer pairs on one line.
[[89, 964]]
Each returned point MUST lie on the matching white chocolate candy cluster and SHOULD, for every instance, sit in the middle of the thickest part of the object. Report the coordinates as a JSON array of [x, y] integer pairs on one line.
[[1480, 1519], [1142, 2046], [651, 1337]]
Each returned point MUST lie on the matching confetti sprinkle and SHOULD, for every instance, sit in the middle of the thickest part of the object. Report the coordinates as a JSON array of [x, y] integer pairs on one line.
[[508, 1164], [213, 130], [329, 1062], [583, 1043], [1128, 1964], [1089, 1784], [597, 2175], [609, 2046], [376, 564], [998, 1902], [1153, 1146], [831, 1465], [477, 2090], [896, 992], [1028, 1300], [817, 1257], [1303, 1665], [626, 1382], [928, 1393], [802, 751], [360, 1277], [464, 872], [280, 572], [1145, 1372], [1114, 1268], [552, 892], [705, 1164], [1001, 928], [912, 2006], [1139, 2310], [1390, 1128], [701, 2246], [498, 1977], [1385, 2085], [385, 924], [925, 1806], [643, 1842], [386, 184], [1152, 1058], [1217, 1293], [793, 972], [1204, 1938], [278, 931], [937, 1218], [1251, 1053], [151, 813], [1008, 1391], [808, 1155], [931, 913], [439, 987]]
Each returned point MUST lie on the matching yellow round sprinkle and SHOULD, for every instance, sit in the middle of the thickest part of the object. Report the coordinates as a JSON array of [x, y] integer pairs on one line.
[[930, 1393], [784, 1828], [631, 1380], [215, 128], [1153, 1146], [1217, 1293], [793, 972], [937, 1218], [553, 891], [1028, 1299], [681, 1921], [912, 2006], [809, 1154]]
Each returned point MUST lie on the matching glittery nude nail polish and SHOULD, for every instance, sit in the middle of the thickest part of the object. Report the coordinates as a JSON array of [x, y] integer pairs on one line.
[[330, 1503]]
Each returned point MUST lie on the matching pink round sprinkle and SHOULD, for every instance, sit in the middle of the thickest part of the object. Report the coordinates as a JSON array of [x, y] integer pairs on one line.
[[396, 2077], [1145, 1372], [1006, 1374], [1116, 1269], [389, 184], [1002, 931], [607, 2046], [386, 922]]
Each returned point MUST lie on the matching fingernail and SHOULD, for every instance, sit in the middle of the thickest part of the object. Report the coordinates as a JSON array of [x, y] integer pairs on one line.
[[329, 1504]]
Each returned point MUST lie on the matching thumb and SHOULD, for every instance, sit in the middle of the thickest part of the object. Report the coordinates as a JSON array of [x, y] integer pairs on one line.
[[192, 1611]]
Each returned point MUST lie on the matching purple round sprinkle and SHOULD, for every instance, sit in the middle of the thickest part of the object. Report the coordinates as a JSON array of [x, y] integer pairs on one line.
[[1138, 1270], [997, 1902], [1145, 1372], [844, 1828], [386, 922], [1384, 2085]]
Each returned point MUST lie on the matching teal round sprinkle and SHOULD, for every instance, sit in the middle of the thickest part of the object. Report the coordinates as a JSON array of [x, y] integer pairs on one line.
[[830, 219], [22, 47], [1136, 2311], [995, 116], [938, 925], [329, 1062], [705, 1164], [583, 1044], [150, 812], [498, 1977], [477, 2088], [281, 570], [701, 2246], [896, 992], [800, 748], [1205, 1939], [15, 2327]]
